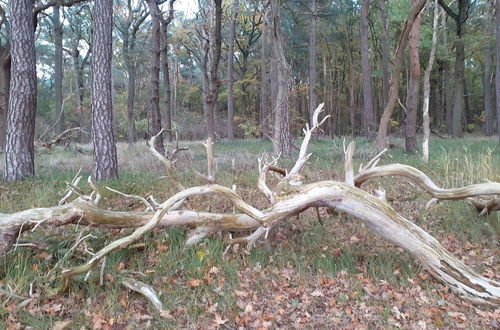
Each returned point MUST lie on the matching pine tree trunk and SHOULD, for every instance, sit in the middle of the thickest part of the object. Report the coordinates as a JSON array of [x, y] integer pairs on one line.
[[447, 79], [4, 91], [154, 101], [78, 88], [368, 112], [282, 139], [413, 88], [497, 60], [230, 59], [313, 75], [58, 67], [167, 109], [19, 148], [427, 85], [488, 64], [103, 137], [211, 93]]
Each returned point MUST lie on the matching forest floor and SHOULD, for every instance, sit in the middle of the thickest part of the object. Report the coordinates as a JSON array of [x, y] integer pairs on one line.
[[306, 275]]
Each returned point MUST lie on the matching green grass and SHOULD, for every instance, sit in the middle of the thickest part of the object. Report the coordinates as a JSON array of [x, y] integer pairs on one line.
[[305, 245]]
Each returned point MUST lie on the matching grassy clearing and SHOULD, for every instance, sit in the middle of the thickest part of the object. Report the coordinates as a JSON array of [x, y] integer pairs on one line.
[[280, 277]]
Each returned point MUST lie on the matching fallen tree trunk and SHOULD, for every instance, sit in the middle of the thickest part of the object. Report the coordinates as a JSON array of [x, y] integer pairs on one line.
[[289, 197]]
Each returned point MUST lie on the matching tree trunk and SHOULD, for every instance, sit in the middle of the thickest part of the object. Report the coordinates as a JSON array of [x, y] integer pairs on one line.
[[128, 46], [385, 53], [447, 79], [230, 59], [75, 55], [19, 148], [154, 101], [131, 72], [4, 91], [396, 74], [58, 67], [413, 88], [282, 139], [368, 112], [167, 103], [265, 87], [103, 134], [459, 78], [167, 109], [427, 85], [488, 64], [497, 60], [313, 75], [214, 47]]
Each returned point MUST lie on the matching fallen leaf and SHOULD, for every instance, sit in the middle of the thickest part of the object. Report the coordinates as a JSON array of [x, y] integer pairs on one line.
[[193, 283]]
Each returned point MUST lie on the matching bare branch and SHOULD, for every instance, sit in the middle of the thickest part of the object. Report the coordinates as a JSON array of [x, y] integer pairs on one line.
[[303, 156]]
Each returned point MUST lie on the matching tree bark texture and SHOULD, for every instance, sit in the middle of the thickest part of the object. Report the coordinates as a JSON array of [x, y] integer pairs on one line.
[[154, 96], [313, 74], [230, 78], [488, 64], [4, 91], [103, 134], [396, 74], [368, 111], [413, 88], [448, 78], [427, 85], [214, 51], [282, 139], [58, 67], [497, 60], [19, 149], [167, 102]]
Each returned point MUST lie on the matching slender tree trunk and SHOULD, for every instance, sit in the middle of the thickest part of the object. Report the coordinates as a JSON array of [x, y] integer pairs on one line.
[[58, 67], [282, 139], [167, 109], [368, 112], [413, 88], [396, 74], [78, 86], [427, 85], [132, 72], [230, 78], [103, 133], [4, 91], [167, 103], [458, 97], [488, 63], [19, 148], [447, 79], [385, 53], [154, 102], [128, 47], [497, 60], [313, 74], [265, 87], [212, 91]]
